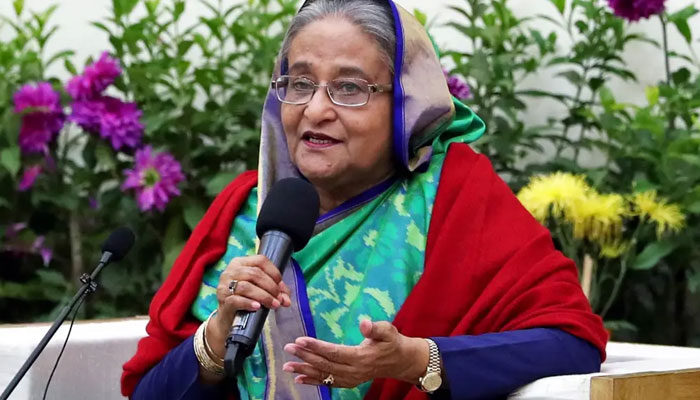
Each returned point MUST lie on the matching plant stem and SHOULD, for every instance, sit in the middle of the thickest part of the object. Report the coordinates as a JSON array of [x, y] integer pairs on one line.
[[664, 33], [616, 287], [667, 64], [587, 275], [576, 102], [582, 133], [76, 247]]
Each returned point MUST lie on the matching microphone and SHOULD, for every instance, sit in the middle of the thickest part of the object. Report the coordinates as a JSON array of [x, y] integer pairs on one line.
[[114, 248], [285, 224], [118, 244]]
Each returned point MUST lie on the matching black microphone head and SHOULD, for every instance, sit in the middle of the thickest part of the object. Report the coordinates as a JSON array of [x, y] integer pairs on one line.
[[119, 243], [291, 206]]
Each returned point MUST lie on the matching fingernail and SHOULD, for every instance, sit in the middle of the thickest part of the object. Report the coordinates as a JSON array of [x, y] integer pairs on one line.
[[287, 368], [289, 348], [275, 303], [302, 342], [256, 305]]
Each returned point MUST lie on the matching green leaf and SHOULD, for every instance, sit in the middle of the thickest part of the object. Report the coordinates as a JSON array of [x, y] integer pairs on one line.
[[680, 20], [606, 98], [693, 208], [560, 5], [694, 281], [620, 325], [152, 6], [10, 159], [684, 30], [219, 182], [178, 9], [170, 255], [573, 77], [128, 6], [420, 16], [652, 254], [193, 213], [681, 76], [173, 240], [70, 67], [60, 55], [105, 157], [595, 83], [183, 47], [102, 27], [652, 93], [18, 6]]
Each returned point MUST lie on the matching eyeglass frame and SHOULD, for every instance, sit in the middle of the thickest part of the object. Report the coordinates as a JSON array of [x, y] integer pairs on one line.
[[373, 88]]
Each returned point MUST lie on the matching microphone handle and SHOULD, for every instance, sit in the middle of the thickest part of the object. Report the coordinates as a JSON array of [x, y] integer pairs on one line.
[[247, 325]]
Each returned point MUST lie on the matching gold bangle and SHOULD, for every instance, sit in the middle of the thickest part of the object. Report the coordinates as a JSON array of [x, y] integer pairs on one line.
[[200, 351], [211, 352]]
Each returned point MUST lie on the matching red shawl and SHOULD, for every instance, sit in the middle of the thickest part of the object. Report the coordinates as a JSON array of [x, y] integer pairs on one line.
[[490, 267]]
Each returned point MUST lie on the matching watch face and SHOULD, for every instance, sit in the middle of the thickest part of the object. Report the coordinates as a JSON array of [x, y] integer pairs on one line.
[[431, 381]]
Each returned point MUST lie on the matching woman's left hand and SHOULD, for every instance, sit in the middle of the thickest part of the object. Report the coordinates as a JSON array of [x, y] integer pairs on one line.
[[384, 353]]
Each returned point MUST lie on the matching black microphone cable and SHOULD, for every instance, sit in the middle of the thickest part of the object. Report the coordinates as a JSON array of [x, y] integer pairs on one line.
[[65, 342]]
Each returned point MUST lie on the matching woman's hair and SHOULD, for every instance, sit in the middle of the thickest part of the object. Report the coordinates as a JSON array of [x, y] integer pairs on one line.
[[373, 18]]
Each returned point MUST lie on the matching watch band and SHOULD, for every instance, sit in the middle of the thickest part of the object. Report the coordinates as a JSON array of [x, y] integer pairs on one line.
[[432, 380], [433, 357]]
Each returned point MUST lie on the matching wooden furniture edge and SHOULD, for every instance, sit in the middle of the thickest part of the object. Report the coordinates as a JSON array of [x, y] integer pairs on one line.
[[668, 385]]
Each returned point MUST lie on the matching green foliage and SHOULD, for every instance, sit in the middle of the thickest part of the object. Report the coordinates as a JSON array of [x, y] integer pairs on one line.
[[201, 88], [501, 51], [639, 147]]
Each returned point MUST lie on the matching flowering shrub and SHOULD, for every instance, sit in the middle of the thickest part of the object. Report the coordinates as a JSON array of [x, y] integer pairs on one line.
[[145, 135], [645, 147], [595, 228]]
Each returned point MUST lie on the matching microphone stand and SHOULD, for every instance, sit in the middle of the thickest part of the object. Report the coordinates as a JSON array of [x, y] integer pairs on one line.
[[89, 286]]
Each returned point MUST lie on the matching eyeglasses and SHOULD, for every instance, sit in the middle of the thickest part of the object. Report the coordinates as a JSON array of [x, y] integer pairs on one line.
[[350, 92]]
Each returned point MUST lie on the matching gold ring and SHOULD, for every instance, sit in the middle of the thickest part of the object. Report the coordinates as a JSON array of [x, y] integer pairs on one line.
[[232, 286], [329, 380]]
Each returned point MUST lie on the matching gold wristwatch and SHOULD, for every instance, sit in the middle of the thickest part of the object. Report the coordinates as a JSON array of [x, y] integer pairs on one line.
[[432, 379]]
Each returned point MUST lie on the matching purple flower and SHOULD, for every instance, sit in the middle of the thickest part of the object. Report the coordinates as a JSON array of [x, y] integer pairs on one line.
[[633, 10], [41, 97], [95, 79], [44, 251], [458, 87], [29, 177], [154, 178], [14, 229], [113, 119], [92, 202], [42, 117]]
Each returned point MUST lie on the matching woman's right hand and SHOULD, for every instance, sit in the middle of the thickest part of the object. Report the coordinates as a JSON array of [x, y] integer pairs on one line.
[[259, 284]]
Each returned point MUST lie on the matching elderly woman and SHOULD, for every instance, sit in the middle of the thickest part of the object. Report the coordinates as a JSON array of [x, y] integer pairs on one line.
[[424, 273]]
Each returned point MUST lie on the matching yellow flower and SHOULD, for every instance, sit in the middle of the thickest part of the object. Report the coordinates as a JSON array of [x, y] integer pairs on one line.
[[644, 203], [555, 192], [667, 217], [598, 217], [614, 249]]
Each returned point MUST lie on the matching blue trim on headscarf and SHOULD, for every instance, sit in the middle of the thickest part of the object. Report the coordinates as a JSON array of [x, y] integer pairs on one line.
[[400, 146]]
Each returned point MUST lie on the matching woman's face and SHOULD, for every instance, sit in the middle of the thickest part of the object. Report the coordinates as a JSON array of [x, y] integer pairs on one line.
[[338, 148]]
